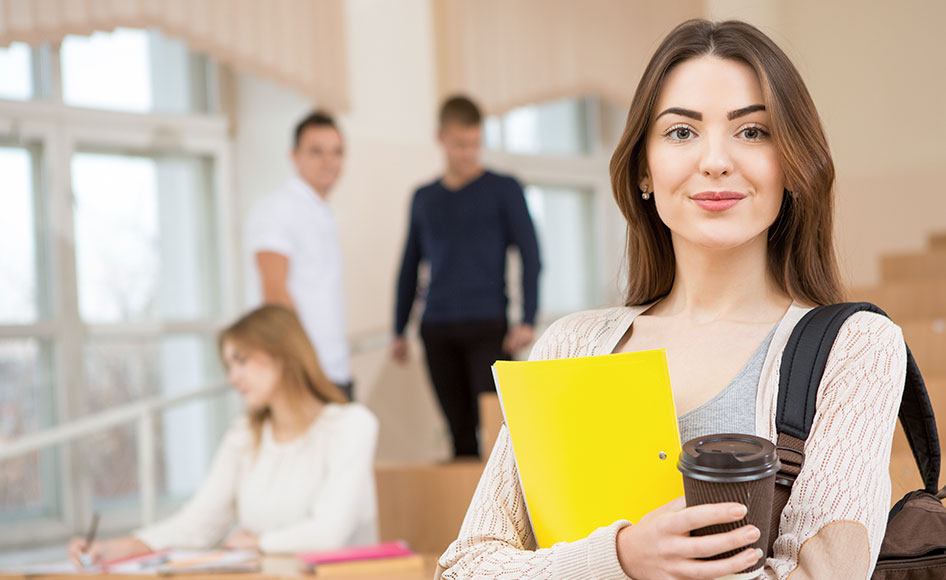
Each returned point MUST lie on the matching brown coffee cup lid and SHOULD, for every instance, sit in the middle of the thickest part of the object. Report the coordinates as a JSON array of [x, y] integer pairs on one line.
[[728, 457]]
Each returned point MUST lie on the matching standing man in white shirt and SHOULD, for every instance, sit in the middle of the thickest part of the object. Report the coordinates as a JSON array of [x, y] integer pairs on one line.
[[292, 241]]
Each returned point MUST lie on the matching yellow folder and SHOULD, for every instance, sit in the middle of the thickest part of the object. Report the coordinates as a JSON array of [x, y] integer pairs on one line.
[[595, 439]]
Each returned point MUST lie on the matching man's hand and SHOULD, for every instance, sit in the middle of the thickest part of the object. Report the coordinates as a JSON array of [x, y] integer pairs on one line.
[[274, 273], [518, 337], [399, 351]]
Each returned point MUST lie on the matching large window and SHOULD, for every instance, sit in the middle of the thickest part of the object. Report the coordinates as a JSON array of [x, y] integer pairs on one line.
[[115, 271], [559, 150]]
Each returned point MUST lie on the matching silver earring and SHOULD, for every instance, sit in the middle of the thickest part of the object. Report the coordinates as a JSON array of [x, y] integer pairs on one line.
[[644, 195]]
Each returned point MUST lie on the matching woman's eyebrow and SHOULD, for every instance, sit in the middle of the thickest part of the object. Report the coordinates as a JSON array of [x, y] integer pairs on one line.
[[699, 116], [683, 112], [744, 111]]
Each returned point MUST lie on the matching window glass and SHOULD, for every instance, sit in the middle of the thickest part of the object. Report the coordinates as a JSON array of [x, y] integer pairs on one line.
[[18, 304], [144, 237], [133, 70], [563, 222], [552, 128], [122, 371], [29, 483], [16, 75]]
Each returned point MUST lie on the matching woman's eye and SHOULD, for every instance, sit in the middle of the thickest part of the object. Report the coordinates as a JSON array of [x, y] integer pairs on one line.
[[679, 134], [753, 133]]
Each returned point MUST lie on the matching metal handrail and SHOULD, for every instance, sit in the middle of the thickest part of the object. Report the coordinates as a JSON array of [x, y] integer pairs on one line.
[[100, 422]]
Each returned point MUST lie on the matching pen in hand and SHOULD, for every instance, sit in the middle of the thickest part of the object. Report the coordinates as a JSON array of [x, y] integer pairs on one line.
[[84, 556]]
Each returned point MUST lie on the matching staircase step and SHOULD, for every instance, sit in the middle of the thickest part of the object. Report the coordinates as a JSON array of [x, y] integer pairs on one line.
[[927, 340], [926, 265], [905, 301]]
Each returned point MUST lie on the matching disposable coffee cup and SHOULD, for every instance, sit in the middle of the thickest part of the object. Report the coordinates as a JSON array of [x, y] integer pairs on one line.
[[731, 467]]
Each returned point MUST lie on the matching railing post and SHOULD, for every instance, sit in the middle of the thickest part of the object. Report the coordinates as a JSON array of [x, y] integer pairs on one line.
[[146, 465]]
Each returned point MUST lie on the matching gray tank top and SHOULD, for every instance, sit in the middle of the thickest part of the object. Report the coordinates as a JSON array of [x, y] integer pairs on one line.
[[733, 409]]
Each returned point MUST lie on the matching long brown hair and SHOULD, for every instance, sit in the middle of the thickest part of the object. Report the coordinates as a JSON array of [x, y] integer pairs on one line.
[[801, 257], [276, 330]]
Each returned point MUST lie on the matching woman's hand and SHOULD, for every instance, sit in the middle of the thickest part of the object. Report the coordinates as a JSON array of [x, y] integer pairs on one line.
[[106, 551], [660, 545], [241, 540]]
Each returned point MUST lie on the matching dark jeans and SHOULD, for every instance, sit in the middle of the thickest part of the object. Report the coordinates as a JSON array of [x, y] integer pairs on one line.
[[459, 357]]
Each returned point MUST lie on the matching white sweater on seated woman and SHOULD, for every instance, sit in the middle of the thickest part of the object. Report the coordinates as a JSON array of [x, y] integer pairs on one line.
[[315, 492]]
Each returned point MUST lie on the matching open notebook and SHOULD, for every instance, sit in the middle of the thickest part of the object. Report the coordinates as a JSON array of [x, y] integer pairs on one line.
[[595, 439]]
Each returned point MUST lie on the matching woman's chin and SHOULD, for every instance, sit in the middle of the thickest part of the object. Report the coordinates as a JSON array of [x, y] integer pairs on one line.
[[253, 406], [721, 240]]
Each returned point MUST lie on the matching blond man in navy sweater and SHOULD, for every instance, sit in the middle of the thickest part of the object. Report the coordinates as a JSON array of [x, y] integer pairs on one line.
[[462, 224]]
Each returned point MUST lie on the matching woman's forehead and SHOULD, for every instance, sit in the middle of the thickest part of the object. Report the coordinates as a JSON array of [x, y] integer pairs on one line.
[[232, 345], [709, 84]]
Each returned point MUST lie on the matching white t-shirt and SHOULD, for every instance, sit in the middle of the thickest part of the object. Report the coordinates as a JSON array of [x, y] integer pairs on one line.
[[296, 222], [315, 492]]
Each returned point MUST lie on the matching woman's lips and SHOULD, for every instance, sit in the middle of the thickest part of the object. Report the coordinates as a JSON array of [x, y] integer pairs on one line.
[[717, 200]]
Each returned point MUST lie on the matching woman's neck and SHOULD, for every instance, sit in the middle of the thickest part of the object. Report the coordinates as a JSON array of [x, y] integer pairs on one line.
[[290, 418], [732, 284]]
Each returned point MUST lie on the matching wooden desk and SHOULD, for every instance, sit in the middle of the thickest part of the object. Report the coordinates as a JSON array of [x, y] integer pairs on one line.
[[277, 568]]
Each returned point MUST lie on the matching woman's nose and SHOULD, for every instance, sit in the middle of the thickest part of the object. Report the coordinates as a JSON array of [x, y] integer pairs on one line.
[[716, 160]]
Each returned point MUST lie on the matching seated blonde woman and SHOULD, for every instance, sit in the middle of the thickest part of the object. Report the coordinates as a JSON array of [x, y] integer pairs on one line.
[[294, 474]]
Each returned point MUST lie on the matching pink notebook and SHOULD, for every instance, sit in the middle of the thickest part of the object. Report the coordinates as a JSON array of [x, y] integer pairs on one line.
[[386, 550]]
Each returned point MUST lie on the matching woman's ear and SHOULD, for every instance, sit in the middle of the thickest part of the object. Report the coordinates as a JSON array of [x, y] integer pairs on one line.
[[643, 173], [643, 180]]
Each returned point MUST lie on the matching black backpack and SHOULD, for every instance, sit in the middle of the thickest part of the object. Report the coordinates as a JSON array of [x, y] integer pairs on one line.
[[914, 545]]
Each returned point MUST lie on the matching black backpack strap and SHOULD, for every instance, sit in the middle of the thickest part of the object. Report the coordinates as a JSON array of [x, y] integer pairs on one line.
[[802, 366]]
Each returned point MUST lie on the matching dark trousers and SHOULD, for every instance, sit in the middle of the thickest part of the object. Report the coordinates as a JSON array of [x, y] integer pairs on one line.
[[459, 357]]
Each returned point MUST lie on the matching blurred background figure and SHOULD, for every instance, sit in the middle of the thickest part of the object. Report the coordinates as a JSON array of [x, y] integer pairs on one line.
[[294, 474], [462, 224], [293, 240]]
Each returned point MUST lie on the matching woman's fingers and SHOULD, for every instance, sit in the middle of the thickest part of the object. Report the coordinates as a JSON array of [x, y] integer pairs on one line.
[[83, 555], [713, 544], [716, 568], [700, 516], [76, 546], [97, 552]]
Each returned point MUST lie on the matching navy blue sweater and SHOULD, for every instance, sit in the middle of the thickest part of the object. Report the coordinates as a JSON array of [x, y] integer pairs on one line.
[[464, 235]]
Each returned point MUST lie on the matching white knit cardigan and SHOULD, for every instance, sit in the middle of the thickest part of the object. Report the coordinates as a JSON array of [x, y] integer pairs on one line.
[[834, 522]]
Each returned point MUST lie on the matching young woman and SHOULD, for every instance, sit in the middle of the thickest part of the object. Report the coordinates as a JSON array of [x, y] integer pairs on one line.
[[724, 176], [294, 474]]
